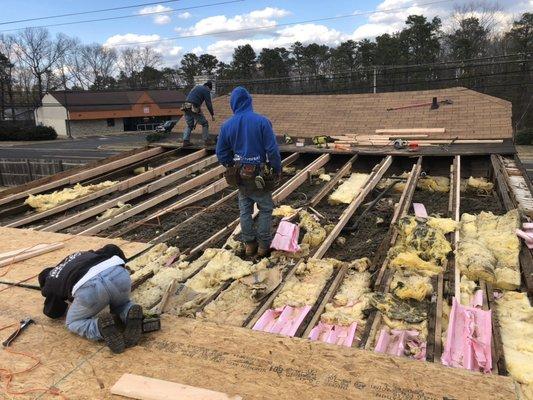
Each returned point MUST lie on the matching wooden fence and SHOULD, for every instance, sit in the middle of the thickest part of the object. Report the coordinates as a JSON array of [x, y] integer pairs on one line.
[[15, 172]]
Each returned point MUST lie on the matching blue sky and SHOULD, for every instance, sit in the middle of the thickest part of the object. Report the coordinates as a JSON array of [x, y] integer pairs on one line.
[[244, 14]]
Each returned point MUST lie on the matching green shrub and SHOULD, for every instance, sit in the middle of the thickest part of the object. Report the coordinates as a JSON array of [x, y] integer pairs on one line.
[[10, 131], [154, 137], [524, 137]]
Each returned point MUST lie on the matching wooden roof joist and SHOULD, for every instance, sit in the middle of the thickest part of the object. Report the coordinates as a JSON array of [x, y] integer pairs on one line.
[[143, 190], [81, 175], [119, 186]]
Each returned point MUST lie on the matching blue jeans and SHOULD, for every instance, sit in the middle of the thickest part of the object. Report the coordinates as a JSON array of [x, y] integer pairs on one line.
[[247, 199], [111, 288], [190, 119]]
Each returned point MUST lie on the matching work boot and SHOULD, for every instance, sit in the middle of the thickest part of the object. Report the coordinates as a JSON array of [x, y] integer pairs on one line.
[[263, 251], [250, 249], [134, 326], [186, 143], [111, 335]]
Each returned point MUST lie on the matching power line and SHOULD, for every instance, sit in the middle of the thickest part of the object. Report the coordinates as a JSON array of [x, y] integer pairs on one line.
[[173, 10], [267, 27], [88, 12]]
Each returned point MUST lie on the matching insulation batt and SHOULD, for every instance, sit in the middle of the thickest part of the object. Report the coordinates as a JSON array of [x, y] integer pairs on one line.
[[489, 248], [44, 202], [314, 232], [152, 260], [434, 184], [350, 188], [421, 246], [412, 312], [478, 185], [411, 285], [515, 317], [236, 303], [283, 211], [352, 298], [304, 287], [114, 211], [467, 288], [398, 187]]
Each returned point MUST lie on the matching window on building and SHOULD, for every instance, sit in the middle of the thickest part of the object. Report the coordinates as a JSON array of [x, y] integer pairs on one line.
[[111, 122]]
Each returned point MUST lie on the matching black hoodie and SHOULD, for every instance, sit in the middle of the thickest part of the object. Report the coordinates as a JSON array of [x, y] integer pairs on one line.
[[56, 283]]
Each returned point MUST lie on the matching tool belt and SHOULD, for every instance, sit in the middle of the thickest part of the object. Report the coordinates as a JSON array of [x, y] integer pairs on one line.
[[190, 107], [258, 177]]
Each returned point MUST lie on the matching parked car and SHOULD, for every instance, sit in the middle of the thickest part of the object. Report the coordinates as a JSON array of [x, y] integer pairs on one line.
[[166, 127]]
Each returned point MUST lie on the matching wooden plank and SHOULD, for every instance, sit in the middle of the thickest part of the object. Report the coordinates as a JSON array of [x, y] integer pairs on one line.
[[120, 186], [373, 179], [146, 189], [180, 189], [503, 188], [457, 217], [9, 254], [144, 388], [438, 319], [30, 253], [80, 176], [410, 130], [498, 356], [345, 169]]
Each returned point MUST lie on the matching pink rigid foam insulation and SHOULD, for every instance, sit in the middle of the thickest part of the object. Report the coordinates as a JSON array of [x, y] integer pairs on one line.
[[334, 334], [286, 238], [527, 236], [527, 225], [398, 341], [420, 210], [285, 320], [468, 343]]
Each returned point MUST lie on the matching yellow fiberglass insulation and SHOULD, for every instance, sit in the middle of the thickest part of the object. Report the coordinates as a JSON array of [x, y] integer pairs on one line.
[[235, 304], [304, 287], [478, 185], [488, 248], [314, 232], [223, 266], [445, 225], [43, 202], [158, 256], [408, 284], [150, 292], [420, 246], [283, 211], [411, 312], [114, 211], [515, 317], [352, 298], [398, 187], [350, 188], [467, 288], [434, 184]]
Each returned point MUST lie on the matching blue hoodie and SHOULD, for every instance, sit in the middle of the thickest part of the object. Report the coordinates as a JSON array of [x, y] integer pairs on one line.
[[247, 136]]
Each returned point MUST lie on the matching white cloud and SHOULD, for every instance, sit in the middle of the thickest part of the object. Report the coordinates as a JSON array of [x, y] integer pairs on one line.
[[221, 24], [160, 18], [185, 15], [168, 49]]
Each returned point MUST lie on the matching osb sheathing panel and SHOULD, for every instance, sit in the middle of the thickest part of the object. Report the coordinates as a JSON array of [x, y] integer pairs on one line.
[[13, 238], [58, 350], [472, 115], [256, 365]]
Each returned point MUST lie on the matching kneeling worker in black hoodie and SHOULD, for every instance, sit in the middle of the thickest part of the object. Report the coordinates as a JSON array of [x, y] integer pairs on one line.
[[91, 281]]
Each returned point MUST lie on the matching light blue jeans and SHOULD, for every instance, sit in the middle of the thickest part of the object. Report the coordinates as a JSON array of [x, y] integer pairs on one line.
[[111, 288], [263, 199], [190, 117]]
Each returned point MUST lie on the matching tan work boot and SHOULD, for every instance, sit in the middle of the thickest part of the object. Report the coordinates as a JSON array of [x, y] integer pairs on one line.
[[250, 249], [263, 251]]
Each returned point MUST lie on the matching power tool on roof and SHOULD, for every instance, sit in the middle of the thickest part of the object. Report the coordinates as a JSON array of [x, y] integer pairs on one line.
[[287, 139], [322, 140]]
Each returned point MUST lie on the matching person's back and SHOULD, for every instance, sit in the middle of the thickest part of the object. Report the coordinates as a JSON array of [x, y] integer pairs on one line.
[[198, 95], [247, 147], [247, 136]]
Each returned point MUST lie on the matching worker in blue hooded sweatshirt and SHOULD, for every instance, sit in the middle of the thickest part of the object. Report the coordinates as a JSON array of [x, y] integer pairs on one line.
[[247, 148]]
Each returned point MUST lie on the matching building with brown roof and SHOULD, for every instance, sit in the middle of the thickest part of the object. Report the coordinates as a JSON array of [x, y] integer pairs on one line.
[[81, 113], [472, 115]]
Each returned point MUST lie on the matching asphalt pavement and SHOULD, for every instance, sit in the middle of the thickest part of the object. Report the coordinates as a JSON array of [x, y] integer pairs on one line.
[[88, 148]]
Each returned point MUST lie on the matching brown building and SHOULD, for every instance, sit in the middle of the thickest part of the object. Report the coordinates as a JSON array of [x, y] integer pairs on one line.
[[82, 113]]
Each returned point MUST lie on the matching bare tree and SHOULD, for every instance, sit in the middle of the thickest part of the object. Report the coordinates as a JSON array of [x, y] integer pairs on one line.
[[7, 66], [133, 60], [40, 53]]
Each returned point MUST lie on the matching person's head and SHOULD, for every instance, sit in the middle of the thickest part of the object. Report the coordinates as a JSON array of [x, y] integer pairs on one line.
[[209, 84], [240, 100]]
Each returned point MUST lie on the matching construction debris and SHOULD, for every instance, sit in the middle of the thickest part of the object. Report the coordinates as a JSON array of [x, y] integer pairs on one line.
[[113, 212]]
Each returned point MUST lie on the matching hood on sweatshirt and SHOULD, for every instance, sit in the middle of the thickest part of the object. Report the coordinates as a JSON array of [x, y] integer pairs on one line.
[[240, 100]]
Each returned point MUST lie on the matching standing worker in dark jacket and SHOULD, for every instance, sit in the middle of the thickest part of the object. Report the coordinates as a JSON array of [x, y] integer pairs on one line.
[[247, 148], [93, 280], [193, 112]]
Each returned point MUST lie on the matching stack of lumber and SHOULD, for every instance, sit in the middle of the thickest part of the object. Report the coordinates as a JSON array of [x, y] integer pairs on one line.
[[386, 137]]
